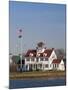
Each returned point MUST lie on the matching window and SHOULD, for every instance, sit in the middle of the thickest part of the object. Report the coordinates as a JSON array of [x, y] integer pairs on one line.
[[27, 59], [46, 65], [46, 59], [31, 54], [53, 56], [37, 59], [40, 65], [34, 65], [38, 54], [26, 66], [41, 59], [57, 65], [30, 67], [32, 59], [50, 65], [45, 54], [53, 65]]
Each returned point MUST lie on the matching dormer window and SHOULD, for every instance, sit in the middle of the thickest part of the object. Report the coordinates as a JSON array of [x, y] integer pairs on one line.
[[45, 54], [31, 54], [38, 54]]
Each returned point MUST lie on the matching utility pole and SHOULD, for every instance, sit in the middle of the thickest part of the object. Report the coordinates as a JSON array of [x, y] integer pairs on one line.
[[20, 39]]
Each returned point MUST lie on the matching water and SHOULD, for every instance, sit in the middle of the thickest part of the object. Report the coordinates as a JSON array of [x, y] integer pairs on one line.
[[36, 83]]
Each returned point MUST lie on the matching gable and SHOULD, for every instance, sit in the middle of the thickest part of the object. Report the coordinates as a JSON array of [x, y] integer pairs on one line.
[[53, 55], [62, 62]]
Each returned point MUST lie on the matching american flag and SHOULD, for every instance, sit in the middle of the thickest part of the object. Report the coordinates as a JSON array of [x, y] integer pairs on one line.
[[20, 33], [20, 30]]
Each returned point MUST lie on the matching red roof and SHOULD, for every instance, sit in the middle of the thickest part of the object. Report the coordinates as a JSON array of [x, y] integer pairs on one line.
[[48, 52], [56, 61], [34, 52], [31, 51]]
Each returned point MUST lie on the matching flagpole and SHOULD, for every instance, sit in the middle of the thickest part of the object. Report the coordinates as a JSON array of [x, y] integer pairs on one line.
[[20, 38]]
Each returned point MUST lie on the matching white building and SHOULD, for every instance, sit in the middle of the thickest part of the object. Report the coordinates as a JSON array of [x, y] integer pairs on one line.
[[58, 64], [42, 59]]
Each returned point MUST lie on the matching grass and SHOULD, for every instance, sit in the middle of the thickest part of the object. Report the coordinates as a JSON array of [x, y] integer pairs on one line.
[[37, 74]]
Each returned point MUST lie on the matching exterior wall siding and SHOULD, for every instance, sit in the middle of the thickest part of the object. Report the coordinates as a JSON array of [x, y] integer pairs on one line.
[[42, 63], [61, 66], [51, 58], [37, 63]]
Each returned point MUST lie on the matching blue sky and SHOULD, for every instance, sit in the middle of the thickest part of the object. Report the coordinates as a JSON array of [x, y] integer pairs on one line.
[[39, 22]]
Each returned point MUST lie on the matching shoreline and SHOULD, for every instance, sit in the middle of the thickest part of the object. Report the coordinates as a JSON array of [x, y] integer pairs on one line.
[[49, 78], [37, 75]]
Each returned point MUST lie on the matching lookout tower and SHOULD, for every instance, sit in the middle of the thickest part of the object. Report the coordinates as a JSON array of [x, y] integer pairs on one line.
[[40, 47]]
